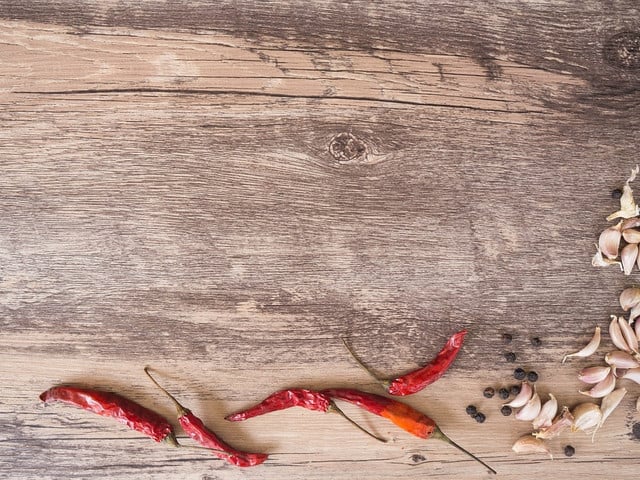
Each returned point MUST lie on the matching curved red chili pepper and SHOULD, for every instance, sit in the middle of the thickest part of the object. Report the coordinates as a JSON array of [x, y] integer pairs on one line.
[[195, 428], [295, 397], [108, 404], [418, 379], [403, 415]]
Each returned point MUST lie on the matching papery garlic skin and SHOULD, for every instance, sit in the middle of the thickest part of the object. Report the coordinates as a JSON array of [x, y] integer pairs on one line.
[[589, 349], [547, 413], [629, 335], [559, 425], [628, 207], [531, 409], [585, 416], [616, 335], [594, 374], [598, 260], [601, 389], [629, 257], [619, 359], [632, 374], [523, 397], [530, 444], [609, 241], [629, 298]]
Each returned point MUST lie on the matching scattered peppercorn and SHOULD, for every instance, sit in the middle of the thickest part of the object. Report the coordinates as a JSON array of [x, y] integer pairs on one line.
[[503, 393], [536, 342], [506, 410], [479, 417], [519, 374], [616, 193], [507, 337], [532, 377], [510, 357], [488, 392], [569, 451], [471, 410], [514, 390]]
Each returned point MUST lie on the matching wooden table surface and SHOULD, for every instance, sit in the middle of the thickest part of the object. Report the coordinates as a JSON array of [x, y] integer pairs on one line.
[[222, 190]]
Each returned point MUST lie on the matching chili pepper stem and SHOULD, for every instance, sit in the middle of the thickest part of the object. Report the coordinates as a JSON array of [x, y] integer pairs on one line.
[[440, 435], [334, 408], [171, 440], [181, 410], [385, 383]]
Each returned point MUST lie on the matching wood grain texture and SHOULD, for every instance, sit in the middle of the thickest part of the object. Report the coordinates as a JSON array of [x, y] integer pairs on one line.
[[225, 190]]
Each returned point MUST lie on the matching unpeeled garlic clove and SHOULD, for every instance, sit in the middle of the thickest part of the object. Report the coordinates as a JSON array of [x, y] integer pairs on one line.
[[547, 413], [530, 444], [594, 374], [589, 348], [602, 388], [628, 207], [629, 335], [585, 416], [608, 405], [599, 260], [531, 409], [609, 241], [620, 359], [559, 425], [628, 257], [638, 405], [632, 374], [523, 397], [632, 222], [616, 335], [631, 235], [629, 298], [634, 312]]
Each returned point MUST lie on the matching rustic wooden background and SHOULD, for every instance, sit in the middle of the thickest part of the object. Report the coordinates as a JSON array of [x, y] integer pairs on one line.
[[224, 189]]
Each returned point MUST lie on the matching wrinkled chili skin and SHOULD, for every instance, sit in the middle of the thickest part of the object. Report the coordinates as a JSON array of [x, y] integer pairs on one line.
[[195, 428], [403, 415], [415, 381], [295, 397], [108, 404]]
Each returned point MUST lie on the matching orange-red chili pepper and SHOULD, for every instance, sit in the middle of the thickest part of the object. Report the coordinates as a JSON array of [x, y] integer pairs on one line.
[[403, 415], [195, 428], [418, 379], [108, 404], [295, 397]]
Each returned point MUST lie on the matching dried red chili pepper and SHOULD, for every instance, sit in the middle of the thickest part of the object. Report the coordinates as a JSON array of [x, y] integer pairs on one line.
[[418, 379], [108, 404], [194, 427], [295, 397], [403, 415]]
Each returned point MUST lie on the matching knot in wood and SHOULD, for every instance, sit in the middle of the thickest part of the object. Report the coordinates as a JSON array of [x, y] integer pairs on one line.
[[623, 50], [346, 147]]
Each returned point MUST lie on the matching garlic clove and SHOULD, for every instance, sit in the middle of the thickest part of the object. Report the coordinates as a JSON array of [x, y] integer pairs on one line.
[[638, 405], [637, 329], [531, 409], [599, 260], [594, 374], [559, 425], [523, 397], [609, 241], [634, 313], [589, 348], [632, 222], [629, 256], [620, 359], [632, 374], [585, 416], [629, 335], [602, 388], [530, 444], [631, 235], [616, 335], [629, 298], [547, 413], [628, 207], [608, 405]]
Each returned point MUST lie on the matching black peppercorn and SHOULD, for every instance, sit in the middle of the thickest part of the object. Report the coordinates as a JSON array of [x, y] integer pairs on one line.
[[503, 393], [479, 417], [532, 377], [488, 392], [519, 374], [507, 337], [536, 342], [569, 451], [616, 194], [471, 410], [506, 410], [510, 357], [514, 390]]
